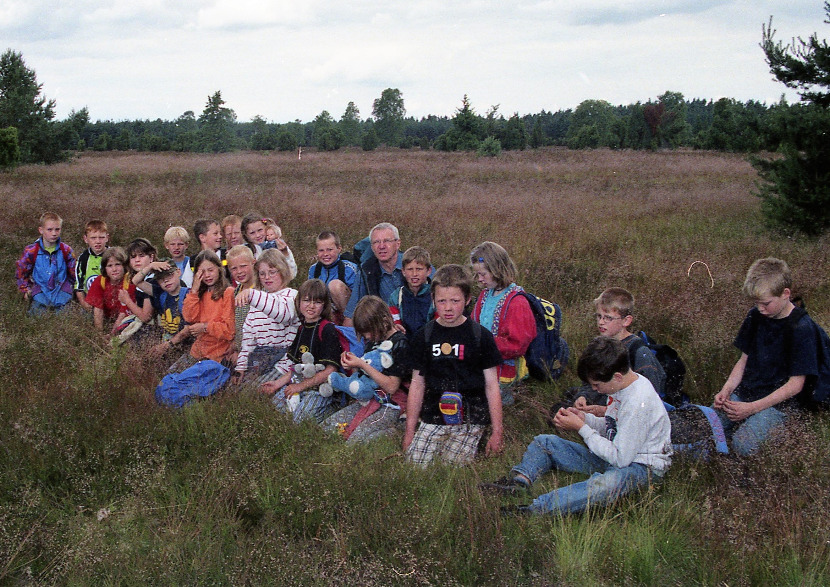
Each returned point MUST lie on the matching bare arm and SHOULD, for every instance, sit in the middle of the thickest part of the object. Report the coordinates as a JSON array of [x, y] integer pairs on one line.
[[732, 381], [491, 389], [414, 403]]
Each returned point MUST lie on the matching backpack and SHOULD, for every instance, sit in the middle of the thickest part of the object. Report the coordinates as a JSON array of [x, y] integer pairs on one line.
[[672, 364], [548, 352], [201, 380], [696, 430], [816, 392]]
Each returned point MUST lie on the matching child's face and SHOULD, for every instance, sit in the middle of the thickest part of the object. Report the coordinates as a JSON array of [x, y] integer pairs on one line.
[[242, 269], [610, 323], [311, 309], [449, 303], [139, 261], [212, 239], [51, 232], [114, 269], [606, 387], [327, 251], [233, 235], [415, 274], [176, 247], [255, 233], [270, 278], [773, 306], [97, 241], [484, 277], [171, 283], [209, 273]]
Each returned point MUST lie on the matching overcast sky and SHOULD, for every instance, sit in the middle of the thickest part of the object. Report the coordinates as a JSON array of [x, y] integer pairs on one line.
[[133, 59]]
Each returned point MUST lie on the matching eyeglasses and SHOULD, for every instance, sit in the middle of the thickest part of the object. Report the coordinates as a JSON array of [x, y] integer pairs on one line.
[[270, 273], [606, 318], [385, 241], [311, 302]]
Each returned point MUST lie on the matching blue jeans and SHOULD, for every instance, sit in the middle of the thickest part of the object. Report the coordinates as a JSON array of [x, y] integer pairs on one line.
[[747, 435], [605, 484]]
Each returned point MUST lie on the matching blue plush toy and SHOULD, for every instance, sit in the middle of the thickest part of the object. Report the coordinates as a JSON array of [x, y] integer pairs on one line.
[[359, 385]]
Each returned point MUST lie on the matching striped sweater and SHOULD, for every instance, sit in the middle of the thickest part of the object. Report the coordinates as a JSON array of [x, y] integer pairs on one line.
[[271, 322]]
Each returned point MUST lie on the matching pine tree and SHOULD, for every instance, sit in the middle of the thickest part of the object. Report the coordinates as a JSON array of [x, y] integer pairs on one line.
[[795, 193]]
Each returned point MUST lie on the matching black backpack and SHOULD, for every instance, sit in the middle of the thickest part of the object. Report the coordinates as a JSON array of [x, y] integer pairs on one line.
[[672, 364]]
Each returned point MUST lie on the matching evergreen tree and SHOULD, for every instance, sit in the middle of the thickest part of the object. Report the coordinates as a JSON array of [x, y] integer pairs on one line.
[[23, 107], [796, 190], [350, 125], [465, 132], [9, 148], [216, 126]]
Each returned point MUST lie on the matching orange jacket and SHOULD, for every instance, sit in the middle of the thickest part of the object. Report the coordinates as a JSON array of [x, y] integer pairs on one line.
[[215, 343]]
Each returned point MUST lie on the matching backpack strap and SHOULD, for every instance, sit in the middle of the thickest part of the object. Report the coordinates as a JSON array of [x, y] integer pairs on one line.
[[318, 270], [718, 434]]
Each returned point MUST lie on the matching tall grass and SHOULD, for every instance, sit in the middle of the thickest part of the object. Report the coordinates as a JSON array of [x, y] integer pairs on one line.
[[99, 485]]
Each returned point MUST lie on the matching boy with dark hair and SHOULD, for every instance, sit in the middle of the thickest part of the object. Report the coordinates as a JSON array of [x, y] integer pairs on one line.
[[455, 388], [778, 347], [337, 273], [96, 237], [46, 270], [622, 451]]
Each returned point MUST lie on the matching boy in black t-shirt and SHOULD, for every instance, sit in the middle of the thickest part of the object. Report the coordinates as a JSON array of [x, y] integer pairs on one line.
[[455, 387], [778, 353]]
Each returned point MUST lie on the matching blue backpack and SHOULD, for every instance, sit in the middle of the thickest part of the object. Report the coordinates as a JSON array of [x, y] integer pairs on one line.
[[201, 380], [548, 353]]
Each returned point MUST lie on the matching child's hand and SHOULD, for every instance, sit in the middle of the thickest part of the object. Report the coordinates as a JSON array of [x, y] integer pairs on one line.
[[292, 389], [124, 297], [269, 387], [495, 444], [569, 419], [721, 398], [282, 246], [243, 298], [197, 280], [737, 411], [580, 402], [351, 361]]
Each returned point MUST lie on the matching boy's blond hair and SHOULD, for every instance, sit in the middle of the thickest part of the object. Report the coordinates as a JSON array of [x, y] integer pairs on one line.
[[228, 220], [95, 226], [768, 276], [327, 234], [416, 255], [240, 251], [616, 298], [276, 260], [177, 232], [496, 261], [50, 217]]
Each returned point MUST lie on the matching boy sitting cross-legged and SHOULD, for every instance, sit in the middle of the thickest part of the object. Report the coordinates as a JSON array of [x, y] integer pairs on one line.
[[338, 274], [168, 293], [455, 387], [622, 450], [778, 347]]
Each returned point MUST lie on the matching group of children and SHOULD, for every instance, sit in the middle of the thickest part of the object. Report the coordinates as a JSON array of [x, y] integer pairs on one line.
[[446, 374]]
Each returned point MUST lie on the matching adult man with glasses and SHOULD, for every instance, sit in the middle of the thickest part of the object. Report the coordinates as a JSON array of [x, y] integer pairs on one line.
[[383, 273]]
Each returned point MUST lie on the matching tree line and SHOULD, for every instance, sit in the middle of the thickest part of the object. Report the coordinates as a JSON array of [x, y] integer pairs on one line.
[[795, 189]]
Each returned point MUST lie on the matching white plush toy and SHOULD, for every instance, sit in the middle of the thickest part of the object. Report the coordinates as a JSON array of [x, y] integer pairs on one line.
[[303, 370], [359, 385]]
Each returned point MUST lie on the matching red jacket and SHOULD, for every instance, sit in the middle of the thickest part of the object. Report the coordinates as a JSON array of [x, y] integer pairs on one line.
[[514, 328]]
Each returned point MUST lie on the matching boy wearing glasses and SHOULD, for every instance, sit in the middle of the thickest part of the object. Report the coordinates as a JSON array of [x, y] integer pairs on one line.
[[614, 315]]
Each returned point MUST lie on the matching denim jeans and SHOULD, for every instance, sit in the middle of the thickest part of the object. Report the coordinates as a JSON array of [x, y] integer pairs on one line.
[[605, 484], [747, 435]]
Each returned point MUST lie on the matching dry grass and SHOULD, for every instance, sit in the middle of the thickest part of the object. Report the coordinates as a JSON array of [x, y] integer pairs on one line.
[[226, 493]]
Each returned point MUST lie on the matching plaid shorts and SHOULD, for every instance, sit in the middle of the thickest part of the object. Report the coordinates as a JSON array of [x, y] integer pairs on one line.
[[454, 444]]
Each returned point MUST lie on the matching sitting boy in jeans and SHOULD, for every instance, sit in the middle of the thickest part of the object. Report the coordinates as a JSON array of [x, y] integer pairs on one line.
[[622, 450], [778, 353]]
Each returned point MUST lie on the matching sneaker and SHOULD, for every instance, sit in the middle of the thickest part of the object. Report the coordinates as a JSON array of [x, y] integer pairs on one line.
[[505, 485], [510, 511]]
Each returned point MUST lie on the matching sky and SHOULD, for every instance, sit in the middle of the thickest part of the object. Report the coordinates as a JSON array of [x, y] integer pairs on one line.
[[148, 59]]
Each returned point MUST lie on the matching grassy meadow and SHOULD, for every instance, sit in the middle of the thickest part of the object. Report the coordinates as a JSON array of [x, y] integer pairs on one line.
[[98, 485]]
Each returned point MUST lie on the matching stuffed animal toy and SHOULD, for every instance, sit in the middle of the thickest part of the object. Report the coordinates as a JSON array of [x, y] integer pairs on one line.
[[359, 385], [303, 370]]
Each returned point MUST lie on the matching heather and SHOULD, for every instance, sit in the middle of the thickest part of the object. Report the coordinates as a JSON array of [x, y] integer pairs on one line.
[[99, 485]]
